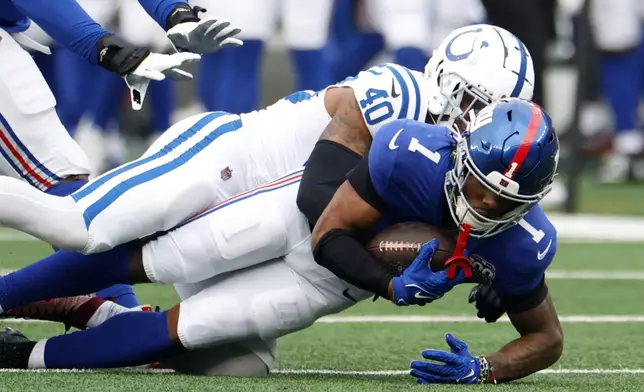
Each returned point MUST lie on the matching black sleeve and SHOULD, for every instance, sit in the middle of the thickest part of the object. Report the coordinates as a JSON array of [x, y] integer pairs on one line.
[[523, 303], [325, 171], [341, 253], [360, 180]]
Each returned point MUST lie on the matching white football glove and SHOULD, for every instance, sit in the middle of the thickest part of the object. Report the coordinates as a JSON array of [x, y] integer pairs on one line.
[[205, 36], [157, 67]]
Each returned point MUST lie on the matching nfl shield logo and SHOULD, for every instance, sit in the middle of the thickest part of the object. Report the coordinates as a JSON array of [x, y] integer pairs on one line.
[[226, 174]]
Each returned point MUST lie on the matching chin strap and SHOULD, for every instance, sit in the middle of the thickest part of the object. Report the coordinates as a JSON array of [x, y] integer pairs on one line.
[[458, 258]]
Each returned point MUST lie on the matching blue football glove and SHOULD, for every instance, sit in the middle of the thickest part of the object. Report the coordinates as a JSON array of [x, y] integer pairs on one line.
[[459, 367], [418, 284]]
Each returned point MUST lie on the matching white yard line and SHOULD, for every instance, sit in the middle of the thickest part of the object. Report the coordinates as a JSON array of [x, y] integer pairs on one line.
[[580, 319], [315, 372], [393, 319], [595, 275]]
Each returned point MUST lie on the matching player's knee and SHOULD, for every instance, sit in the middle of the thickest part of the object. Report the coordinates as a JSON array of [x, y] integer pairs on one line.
[[226, 360], [281, 312], [211, 320]]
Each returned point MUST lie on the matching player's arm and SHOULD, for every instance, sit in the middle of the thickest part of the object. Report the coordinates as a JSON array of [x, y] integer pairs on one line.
[[343, 143], [67, 23], [357, 206], [540, 344], [337, 246]]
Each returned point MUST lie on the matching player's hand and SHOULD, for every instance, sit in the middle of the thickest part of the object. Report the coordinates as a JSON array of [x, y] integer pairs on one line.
[[139, 66], [458, 365], [487, 303], [189, 33], [157, 67], [418, 284], [206, 36]]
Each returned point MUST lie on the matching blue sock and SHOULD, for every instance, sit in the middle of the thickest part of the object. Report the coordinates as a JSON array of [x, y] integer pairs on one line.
[[237, 85], [79, 85], [622, 83], [128, 339], [209, 67], [65, 188], [412, 58], [122, 294], [313, 70], [162, 99], [65, 274], [104, 106]]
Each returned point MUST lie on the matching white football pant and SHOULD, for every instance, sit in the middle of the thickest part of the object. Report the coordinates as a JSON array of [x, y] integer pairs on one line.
[[34, 145]]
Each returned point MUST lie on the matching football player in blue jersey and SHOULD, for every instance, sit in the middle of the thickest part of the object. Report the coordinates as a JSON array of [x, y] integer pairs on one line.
[[486, 183]]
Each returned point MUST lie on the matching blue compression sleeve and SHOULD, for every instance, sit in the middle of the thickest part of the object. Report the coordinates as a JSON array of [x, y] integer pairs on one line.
[[159, 10], [67, 23]]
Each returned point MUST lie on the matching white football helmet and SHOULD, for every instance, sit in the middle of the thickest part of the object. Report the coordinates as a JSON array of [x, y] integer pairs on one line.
[[473, 67]]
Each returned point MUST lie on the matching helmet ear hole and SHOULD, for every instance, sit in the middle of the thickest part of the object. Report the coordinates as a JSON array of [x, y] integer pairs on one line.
[[551, 138]]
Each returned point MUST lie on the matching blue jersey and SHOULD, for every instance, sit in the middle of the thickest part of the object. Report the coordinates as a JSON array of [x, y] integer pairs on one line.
[[408, 162], [67, 23]]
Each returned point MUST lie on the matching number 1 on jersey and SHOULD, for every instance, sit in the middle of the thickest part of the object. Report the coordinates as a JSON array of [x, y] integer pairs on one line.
[[415, 146]]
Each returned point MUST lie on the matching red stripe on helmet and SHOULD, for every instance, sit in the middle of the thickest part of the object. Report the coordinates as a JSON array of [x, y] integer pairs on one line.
[[526, 143]]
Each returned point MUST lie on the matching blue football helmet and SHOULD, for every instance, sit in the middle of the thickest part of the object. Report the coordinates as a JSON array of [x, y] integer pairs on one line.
[[512, 149]]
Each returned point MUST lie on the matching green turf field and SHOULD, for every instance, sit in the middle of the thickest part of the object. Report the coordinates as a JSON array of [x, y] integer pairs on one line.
[[378, 349]]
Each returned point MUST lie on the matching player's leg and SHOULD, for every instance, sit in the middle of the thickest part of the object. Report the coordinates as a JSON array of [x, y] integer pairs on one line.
[[263, 302], [618, 35], [248, 358], [246, 230], [231, 79], [179, 176], [306, 31], [409, 45]]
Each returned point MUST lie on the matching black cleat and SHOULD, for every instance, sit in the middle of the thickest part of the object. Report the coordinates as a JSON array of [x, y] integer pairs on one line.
[[15, 349]]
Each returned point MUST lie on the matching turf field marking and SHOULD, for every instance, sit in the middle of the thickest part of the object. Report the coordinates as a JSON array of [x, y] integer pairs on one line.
[[470, 319], [315, 372], [594, 275], [577, 319]]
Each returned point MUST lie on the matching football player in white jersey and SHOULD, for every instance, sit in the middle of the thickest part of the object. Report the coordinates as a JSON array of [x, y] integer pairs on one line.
[[207, 158]]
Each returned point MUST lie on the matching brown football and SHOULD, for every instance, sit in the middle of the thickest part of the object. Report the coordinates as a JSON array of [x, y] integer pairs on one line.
[[397, 246]]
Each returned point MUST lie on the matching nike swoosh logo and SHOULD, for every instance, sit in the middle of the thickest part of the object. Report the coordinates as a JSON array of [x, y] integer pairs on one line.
[[470, 374], [392, 143], [348, 296], [541, 255], [419, 295], [394, 94]]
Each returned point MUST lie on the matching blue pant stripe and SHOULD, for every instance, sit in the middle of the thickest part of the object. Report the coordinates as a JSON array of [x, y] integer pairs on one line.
[[113, 194], [187, 134]]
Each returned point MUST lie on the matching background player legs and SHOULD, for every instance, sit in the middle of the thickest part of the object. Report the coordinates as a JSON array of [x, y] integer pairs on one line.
[[162, 99], [350, 49], [102, 114], [232, 78], [306, 32], [77, 79]]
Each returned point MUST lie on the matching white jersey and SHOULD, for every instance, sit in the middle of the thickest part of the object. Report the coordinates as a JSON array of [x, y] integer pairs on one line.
[[203, 160], [389, 92]]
